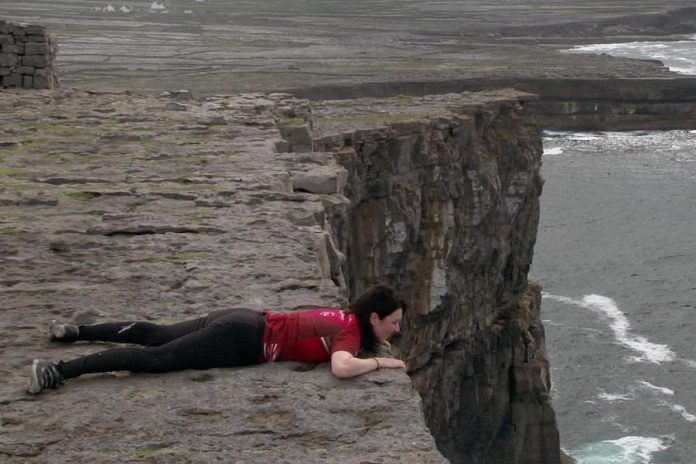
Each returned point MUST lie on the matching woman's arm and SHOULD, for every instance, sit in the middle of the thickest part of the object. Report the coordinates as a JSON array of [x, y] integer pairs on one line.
[[344, 365]]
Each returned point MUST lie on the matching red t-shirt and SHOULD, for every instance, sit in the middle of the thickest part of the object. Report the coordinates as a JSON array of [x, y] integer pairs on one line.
[[310, 336]]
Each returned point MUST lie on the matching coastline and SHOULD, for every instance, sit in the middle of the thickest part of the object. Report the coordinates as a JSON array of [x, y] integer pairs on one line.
[[268, 47]]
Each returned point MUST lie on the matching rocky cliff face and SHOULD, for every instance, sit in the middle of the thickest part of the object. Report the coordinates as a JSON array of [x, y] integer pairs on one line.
[[444, 204]]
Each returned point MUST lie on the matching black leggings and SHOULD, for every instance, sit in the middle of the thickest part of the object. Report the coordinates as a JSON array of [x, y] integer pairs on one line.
[[231, 337]]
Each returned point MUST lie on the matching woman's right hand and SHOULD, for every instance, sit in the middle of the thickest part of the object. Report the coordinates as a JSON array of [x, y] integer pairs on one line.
[[391, 363]]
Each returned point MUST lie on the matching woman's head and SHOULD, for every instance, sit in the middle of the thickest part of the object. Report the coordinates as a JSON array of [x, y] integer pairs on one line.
[[379, 312]]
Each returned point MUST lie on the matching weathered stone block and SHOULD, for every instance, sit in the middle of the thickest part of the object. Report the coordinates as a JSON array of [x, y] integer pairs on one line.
[[28, 82], [13, 80], [43, 82], [17, 31], [35, 29], [25, 70], [5, 71], [9, 48], [8, 59], [36, 48], [282, 146], [321, 180], [298, 137], [175, 106], [36, 39], [20, 48], [36, 61], [4, 27], [6, 39], [42, 72]]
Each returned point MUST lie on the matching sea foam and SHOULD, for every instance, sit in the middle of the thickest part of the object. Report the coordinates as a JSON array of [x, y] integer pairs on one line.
[[663, 390], [626, 450], [681, 410], [611, 397], [553, 151], [650, 352]]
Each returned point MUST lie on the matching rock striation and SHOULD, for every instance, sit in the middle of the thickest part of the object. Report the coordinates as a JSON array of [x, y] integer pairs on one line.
[[120, 206], [27, 56]]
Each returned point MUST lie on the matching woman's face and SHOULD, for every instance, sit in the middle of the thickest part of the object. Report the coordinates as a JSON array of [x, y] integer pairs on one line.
[[383, 328]]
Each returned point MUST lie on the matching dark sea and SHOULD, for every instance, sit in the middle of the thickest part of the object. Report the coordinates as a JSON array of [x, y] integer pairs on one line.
[[616, 255]]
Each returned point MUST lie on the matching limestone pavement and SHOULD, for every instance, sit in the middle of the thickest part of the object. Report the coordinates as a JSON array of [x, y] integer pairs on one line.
[[125, 207]]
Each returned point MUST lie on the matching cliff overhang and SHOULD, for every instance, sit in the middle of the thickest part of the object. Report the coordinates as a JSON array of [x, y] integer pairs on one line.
[[564, 103]]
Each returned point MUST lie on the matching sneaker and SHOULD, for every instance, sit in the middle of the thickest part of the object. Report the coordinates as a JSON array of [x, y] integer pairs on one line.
[[44, 374], [63, 332]]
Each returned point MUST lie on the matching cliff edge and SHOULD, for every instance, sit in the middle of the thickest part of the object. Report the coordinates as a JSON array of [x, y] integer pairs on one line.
[[122, 207]]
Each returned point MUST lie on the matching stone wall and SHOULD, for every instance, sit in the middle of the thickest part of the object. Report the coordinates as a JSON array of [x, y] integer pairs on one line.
[[27, 57]]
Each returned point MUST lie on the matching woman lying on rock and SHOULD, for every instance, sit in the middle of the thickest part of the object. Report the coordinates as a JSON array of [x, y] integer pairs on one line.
[[236, 337]]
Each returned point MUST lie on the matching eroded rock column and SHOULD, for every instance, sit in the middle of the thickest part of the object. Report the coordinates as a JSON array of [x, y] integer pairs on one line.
[[444, 193]]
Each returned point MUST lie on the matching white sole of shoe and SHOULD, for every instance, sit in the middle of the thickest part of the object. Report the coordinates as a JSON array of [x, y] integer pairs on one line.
[[34, 386]]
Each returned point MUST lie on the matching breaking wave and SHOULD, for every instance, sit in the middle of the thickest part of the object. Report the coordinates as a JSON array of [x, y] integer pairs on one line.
[[650, 352]]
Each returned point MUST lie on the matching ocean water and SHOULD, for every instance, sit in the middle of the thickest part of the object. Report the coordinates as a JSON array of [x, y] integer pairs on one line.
[[679, 56], [616, 255]]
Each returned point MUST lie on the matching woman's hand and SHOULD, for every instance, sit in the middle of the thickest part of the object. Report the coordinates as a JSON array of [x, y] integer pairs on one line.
[[391, 363], [344, 365]]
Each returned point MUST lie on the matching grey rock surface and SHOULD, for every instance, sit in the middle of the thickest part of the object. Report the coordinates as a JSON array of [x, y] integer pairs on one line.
[[114, 208], [258, 46]]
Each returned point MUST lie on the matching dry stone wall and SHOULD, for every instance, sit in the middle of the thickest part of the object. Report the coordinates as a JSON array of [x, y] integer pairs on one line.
[[27, 57]]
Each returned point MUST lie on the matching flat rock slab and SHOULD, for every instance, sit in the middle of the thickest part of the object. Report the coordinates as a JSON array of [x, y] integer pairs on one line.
[[211, 48], [120, 207]]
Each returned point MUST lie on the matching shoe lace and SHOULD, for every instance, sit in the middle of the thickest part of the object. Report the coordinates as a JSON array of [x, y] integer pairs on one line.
[[51, 377]]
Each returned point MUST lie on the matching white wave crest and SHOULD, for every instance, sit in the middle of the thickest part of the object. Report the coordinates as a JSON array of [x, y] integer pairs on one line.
[[630, 449], [650, 352], [553, 151], [663, 390], [640, 447], [681, 410], [584, 138], [612, 397]]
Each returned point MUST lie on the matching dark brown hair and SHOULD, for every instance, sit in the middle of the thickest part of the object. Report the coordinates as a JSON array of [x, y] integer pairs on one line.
[[379, 299]]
